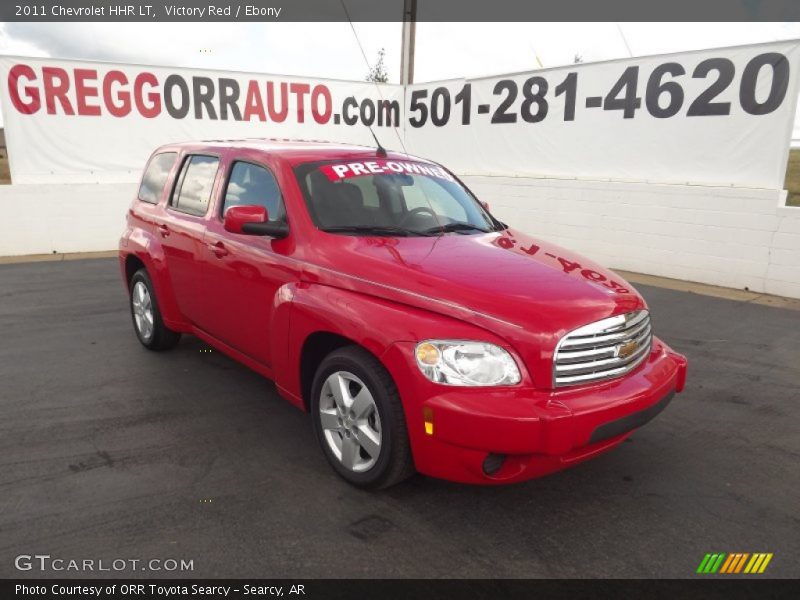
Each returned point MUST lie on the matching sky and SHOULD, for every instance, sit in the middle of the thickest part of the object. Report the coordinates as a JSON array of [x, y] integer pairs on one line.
[[443, 50]]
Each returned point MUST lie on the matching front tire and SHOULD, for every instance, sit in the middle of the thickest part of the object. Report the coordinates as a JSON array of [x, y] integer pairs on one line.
[[359, 420], [147, 321]]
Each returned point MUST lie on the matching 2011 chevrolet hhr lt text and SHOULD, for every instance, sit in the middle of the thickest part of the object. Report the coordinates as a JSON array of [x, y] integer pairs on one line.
[[421, 333]]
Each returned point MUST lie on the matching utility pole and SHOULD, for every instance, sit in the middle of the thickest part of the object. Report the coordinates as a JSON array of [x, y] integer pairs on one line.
[[407, 50]]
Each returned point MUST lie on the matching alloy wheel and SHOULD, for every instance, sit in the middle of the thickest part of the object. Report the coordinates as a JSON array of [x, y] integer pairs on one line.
[[350, 421], [142, 305]]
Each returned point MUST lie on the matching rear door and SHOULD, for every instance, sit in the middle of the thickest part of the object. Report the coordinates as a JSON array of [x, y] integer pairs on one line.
[[181, 228]]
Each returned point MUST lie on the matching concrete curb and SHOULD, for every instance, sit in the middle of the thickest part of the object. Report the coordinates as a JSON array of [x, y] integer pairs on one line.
[[711, 290], [31, 258]]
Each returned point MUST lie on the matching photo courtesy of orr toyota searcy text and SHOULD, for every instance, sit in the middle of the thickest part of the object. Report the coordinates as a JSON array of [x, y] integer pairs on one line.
[[154, 590]]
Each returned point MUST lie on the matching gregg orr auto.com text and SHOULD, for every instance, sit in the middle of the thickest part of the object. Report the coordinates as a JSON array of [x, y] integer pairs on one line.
[[85, 92]]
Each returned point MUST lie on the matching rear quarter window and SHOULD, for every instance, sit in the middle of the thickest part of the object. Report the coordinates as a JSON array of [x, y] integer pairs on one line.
[[155, 177]]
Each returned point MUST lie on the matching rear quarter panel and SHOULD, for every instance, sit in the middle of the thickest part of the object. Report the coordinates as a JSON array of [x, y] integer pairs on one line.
[[140, 240]]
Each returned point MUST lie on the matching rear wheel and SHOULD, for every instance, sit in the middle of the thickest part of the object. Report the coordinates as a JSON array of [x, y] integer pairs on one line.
[[359, 420], [147, 321]]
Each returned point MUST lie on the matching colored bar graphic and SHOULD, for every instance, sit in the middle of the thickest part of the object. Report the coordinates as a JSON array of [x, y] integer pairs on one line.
[[711, 562], [730, 564], [755, 559], [765, 563], [758, 562], [703, 563], [718, 564], [727, 564], [741, 563], [737, 562], [734, 563]]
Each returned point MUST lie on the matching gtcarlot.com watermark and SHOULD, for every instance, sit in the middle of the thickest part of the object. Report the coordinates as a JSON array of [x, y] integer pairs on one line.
[[47, 563]]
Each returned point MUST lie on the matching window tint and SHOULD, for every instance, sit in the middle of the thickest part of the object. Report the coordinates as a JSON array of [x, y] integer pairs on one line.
[[196, 183], [155, 177], [429, 193], [368, 191], [251, 184]]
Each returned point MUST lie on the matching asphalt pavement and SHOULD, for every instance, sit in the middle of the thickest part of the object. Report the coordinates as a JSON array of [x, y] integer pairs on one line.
[[109, 451]]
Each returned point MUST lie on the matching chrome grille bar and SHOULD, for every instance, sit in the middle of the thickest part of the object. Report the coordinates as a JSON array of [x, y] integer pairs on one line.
[[603, 350], [604, 340]]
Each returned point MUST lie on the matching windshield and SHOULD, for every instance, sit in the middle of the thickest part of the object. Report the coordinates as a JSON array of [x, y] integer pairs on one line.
[[390, 197]]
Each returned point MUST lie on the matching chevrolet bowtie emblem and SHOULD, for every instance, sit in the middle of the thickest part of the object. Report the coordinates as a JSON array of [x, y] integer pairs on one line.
[[627, 349]]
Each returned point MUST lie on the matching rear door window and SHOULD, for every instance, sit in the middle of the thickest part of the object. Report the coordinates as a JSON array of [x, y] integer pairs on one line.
[[193, 192], [155, 177]]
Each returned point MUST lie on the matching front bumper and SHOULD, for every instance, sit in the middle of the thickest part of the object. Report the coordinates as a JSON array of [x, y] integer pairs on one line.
[[504, 435]]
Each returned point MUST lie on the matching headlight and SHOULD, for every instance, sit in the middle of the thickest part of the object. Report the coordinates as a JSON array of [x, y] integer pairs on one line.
[[457, 362]]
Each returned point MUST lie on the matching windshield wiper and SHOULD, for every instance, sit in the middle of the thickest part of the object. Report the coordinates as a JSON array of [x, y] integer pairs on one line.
[[455, 226], [374, 230]]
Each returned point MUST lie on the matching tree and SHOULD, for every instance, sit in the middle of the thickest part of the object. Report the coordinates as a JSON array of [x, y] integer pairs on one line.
[[378, 73]]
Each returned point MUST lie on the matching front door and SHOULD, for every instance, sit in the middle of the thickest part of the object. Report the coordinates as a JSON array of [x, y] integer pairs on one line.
[[244, 272]]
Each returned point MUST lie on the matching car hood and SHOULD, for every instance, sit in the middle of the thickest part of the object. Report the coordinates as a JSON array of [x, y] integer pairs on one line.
[[526, 290]]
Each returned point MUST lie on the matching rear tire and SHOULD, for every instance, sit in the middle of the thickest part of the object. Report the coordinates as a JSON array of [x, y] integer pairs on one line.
[[147, 321], [359, 420]]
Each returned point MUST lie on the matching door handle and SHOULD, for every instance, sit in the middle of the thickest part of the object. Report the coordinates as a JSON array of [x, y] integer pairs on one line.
[[219, 249], [163, 230]]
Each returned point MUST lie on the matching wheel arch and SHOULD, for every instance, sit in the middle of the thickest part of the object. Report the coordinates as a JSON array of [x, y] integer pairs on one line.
[[316, 347], [155, 266], [132, 264]]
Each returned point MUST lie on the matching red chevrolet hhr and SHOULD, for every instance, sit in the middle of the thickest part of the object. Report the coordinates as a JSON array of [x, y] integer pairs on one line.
[[420, 332]]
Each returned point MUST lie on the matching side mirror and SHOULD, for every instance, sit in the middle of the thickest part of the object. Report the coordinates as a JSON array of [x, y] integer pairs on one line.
[[253, 220]]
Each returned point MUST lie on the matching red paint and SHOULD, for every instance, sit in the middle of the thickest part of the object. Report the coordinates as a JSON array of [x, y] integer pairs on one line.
[[300, 90], [56, 86], [261, 299], [32, 103], [253, 106], [116, 80], [321, 92], [148, 103]]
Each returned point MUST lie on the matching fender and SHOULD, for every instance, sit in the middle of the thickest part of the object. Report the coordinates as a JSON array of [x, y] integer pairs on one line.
[[145, 246], [318, 308]]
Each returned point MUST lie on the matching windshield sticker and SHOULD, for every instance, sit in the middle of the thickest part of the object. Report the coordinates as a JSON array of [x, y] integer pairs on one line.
[[340, 171]]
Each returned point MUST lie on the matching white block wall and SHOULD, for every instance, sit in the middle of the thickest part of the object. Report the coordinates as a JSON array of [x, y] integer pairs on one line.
[[42, 219], [733, 237]]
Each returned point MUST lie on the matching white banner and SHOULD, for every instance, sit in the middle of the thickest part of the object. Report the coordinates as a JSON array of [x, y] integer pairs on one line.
[[715, 117], [719, 117], [77, 121]]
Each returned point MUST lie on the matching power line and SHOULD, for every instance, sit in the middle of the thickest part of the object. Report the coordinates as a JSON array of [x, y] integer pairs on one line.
[[355, 34], [369, 69], [625, 40]]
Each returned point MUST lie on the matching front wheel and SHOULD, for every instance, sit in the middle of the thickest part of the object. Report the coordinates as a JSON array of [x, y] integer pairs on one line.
[[147, 322], [359, 420]]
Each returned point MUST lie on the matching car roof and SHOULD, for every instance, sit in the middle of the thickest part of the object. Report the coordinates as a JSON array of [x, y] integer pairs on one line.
[[294, 151]]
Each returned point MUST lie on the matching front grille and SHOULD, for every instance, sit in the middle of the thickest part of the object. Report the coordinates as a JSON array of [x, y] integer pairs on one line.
[[603, 350]]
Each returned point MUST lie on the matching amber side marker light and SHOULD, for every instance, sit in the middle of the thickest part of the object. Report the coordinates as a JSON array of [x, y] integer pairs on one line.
[[427, 415]]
